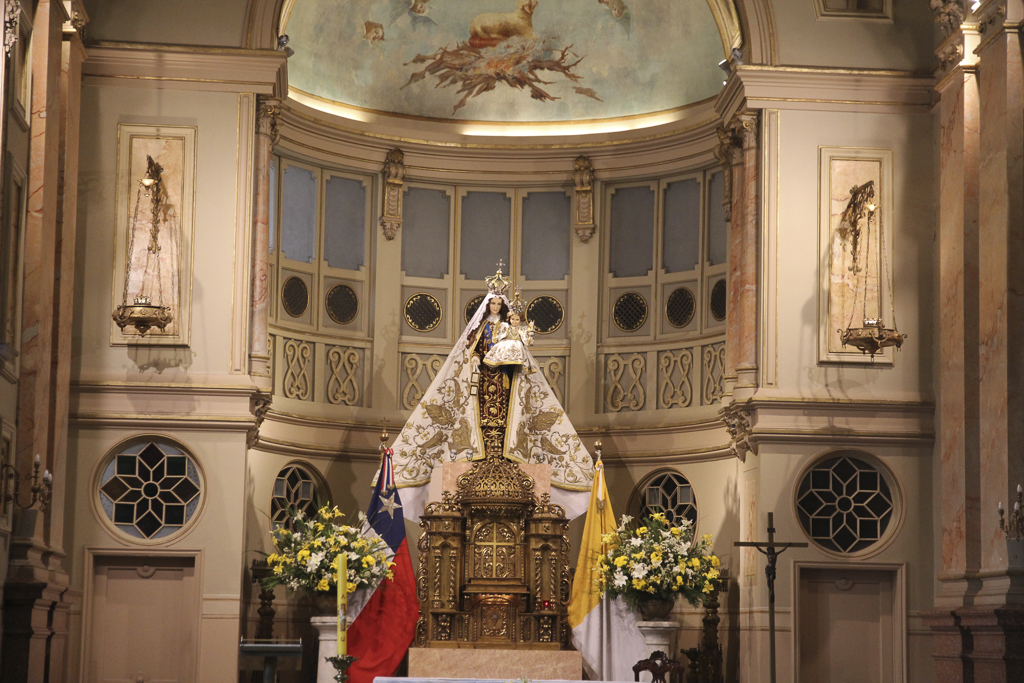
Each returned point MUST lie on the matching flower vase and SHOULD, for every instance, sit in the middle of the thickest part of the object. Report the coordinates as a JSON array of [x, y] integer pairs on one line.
[[655, 609], [324, 603]]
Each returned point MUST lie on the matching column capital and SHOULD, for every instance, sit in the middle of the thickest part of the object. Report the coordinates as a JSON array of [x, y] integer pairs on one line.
[[268, 110]]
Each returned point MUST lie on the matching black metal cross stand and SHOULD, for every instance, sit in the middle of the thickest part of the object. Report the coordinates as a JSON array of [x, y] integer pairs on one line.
[[771, 550]]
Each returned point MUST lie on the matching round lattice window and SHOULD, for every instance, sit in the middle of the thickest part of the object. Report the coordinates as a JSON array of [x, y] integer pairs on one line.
[[294, 296], [546, 313], [680, 307], [471, 307], [422, 312], [342, 304], [718, 300], [668, 492], [150, 490], [294, 488], [630, 312], [845, 504]]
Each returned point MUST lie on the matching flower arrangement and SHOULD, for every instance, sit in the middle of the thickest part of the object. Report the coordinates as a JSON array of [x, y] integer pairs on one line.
[[657, 561], [307, 554]]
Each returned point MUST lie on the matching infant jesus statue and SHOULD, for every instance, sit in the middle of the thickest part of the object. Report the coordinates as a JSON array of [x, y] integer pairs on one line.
[[512, 338]]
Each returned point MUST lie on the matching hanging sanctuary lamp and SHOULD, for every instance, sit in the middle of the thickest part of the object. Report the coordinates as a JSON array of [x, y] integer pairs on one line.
[[873, 335], [147, 309]]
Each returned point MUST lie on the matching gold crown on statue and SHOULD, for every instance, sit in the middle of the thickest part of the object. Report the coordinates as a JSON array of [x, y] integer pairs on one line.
[[497, 284], [518, 306]]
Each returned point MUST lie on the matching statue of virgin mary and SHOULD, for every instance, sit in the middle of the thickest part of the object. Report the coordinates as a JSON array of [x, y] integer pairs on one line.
[[475, 410]]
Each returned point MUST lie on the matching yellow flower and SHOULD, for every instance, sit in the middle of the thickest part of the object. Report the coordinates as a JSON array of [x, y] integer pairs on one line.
[[679, 579], [303, 555], [715, 561], [641, 531], [638, 555], [620, 561], [712, 574], [695, 563], [655, 558], [391, 575], [659, 517], [706, 538], [708, 587], [350, 587], [318, 543], [342, 541], [608, 539], [639, 584], [360, 543], [319, 526], [272, 558], [368, 561], [675, 531], [323, 586]]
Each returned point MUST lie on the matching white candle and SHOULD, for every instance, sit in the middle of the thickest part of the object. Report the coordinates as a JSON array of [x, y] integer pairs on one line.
[[36, 459], [1000, 506]]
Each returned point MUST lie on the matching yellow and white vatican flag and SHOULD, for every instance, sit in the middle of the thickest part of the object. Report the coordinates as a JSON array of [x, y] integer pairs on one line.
[[603, 630]]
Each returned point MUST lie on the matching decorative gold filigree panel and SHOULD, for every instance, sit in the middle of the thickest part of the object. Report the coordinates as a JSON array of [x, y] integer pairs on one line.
[[298, 376], [674, 387], [420, 371], [344, 367], [624, 382], [714, 368]]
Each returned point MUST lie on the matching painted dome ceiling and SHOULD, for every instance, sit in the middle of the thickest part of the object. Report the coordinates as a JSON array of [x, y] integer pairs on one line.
[[508, 60]]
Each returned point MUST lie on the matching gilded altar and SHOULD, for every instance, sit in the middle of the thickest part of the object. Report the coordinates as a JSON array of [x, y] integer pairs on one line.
[[494, 564]]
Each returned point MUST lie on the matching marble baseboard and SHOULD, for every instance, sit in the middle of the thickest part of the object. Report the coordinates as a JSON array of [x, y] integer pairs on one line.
[[426, 662]]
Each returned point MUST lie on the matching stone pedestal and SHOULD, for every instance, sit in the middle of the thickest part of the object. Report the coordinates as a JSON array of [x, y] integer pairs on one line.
[[327, 627], [660, 635], [505, 664]]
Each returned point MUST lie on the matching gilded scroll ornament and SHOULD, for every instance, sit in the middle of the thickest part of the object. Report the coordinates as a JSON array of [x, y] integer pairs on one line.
[[583, 198], [342, 385], [12, 13], [629, 392], [391, 210], [298, 377], [675, 389]]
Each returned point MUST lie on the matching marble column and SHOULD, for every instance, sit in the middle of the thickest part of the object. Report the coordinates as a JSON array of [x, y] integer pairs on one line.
[[730, 155], [996, 618], [743, 267], [267, 112], [957, 339], [34, 616]]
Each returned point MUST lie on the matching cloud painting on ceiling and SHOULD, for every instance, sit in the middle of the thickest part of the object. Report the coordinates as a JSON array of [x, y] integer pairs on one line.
[[506, 60]]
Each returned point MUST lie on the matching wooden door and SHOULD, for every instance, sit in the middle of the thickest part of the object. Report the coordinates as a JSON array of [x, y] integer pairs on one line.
[[144, 620], [847, 626]]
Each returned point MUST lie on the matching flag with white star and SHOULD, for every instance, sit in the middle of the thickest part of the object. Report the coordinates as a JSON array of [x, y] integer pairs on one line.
[[384, 629]]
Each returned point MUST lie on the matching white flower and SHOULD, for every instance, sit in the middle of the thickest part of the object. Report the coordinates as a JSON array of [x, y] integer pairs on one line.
[[619, 580], [639, 570], [626, 519], [637, 542]]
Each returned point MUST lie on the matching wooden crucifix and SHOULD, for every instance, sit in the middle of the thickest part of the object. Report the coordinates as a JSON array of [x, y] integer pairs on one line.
[[771, 550]]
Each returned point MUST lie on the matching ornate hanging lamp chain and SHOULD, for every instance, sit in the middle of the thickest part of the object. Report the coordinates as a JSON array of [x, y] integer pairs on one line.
[[131, 247]]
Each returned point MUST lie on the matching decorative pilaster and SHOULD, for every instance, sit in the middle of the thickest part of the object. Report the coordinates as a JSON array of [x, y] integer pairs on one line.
[[729, 153], [743, 274], [267, 112], [391, 211], [583, 199]]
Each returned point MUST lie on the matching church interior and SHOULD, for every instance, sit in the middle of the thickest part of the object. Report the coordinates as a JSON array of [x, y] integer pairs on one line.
[[240, 238]]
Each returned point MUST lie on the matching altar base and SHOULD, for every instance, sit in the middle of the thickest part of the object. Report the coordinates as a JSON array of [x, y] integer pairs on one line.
[[480, 663]]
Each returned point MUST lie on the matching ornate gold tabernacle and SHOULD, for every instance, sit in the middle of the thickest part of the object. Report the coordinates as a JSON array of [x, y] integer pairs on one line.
[[494, 564]]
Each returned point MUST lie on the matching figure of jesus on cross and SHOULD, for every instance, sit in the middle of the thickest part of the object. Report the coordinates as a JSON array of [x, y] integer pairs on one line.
[[771, 550]]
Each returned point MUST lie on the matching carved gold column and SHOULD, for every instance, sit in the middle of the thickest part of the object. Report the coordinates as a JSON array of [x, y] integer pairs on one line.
[[583, 199], [391, 211], [267, 111]]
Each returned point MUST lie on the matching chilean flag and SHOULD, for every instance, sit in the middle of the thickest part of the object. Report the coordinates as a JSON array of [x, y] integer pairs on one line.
[[384, 628]]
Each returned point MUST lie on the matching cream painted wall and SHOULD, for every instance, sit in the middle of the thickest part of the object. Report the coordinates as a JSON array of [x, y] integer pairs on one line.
[[906, 43], [185, 22], [216, 116], [801, 134], [217, 531]]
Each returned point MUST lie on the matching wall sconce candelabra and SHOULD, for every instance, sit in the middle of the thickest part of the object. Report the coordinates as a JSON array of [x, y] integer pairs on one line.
[[874, 335], [143, 313], [42, 486], [1015, 525]]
